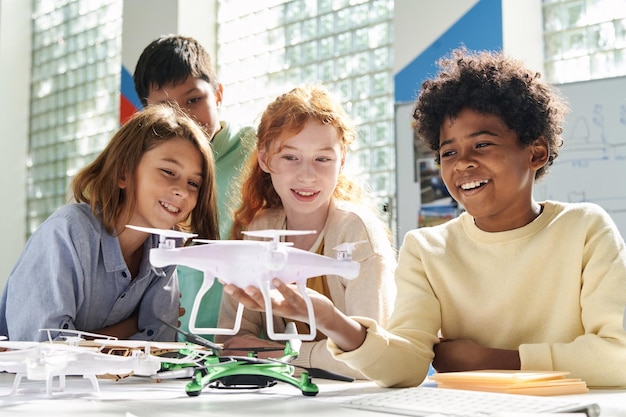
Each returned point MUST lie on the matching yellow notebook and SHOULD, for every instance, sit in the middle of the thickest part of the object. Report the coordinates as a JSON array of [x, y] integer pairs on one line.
[[512, 382]]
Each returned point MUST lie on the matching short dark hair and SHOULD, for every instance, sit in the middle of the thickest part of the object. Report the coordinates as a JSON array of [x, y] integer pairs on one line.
[[491, 83], [171, 59]]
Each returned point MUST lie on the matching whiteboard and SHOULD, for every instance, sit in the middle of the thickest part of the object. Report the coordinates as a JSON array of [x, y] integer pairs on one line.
[[592, 162]]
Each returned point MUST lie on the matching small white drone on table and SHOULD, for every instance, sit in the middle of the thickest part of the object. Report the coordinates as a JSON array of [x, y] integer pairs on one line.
[[101, 355], [251, 262]]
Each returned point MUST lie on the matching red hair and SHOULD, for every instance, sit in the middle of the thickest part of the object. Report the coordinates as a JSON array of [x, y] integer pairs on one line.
[[285, 117]]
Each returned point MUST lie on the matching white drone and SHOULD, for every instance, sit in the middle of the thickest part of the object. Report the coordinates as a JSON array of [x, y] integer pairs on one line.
[[251, 263], [75, 356]]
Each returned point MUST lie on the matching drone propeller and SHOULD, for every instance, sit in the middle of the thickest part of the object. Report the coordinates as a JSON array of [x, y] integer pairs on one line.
[[164, 233], [194, 338], [274, 234], [237, 242], [277, 258], [348, 246], [344, 250]]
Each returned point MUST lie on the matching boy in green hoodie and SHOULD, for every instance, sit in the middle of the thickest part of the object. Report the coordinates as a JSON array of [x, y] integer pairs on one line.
[[175, 68]]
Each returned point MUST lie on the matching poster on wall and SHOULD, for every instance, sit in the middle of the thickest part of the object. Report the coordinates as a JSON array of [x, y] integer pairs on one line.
[[423, 199], [441, 30], [436, 204]]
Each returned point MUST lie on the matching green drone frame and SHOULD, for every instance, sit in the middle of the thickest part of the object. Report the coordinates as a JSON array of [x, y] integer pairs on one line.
[[244, 372], [249, 372]]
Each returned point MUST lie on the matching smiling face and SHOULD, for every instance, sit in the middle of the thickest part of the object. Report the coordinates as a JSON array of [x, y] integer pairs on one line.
[[197, 97], [488, 171], [167, 184], [304, 172]]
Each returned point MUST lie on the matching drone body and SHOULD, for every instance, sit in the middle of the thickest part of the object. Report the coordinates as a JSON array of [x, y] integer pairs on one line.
[[252, 263], [197, 359], [45, 361], [247, 372]]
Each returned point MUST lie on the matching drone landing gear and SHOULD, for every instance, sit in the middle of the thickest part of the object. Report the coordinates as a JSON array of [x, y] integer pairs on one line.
[[50, 383]]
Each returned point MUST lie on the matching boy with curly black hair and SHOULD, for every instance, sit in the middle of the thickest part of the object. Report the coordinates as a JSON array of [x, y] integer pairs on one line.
[[511, 283]]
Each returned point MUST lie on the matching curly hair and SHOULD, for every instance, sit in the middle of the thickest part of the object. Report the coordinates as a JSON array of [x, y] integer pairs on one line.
[[491, 83], [285, 117], [97, 184]]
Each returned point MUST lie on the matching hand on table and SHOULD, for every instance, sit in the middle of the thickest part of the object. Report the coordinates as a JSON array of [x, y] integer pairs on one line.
[[453, 355]]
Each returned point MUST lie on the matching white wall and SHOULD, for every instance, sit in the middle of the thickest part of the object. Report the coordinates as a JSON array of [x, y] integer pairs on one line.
[[15, 43], [418, 24], [522, 31], [145, 20]]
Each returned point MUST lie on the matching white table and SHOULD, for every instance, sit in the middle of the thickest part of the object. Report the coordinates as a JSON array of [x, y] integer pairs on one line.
[[139, 397]]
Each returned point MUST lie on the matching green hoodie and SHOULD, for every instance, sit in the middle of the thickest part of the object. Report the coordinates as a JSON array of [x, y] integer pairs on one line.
[[231, 148]]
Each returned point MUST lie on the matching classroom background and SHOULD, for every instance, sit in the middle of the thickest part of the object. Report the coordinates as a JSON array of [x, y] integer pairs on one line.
[[66, 76]]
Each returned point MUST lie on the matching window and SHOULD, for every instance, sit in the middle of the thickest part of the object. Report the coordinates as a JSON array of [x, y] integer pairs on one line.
[[74, 95], [584, 39], [266, 48]]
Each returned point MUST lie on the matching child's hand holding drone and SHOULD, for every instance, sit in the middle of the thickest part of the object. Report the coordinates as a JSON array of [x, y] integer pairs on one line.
[[287, 302]]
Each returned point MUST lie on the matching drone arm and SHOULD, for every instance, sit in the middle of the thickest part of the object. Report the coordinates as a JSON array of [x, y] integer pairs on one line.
[[265, 290], [206, 286]]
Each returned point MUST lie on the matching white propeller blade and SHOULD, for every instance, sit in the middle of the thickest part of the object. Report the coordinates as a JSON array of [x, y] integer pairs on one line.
[[238, 242], [348, 246], [163, 232], [276, 233], [344, 250]]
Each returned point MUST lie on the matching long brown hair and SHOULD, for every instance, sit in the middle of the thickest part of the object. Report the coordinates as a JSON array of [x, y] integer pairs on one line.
[[285, 117], [98, 183]]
